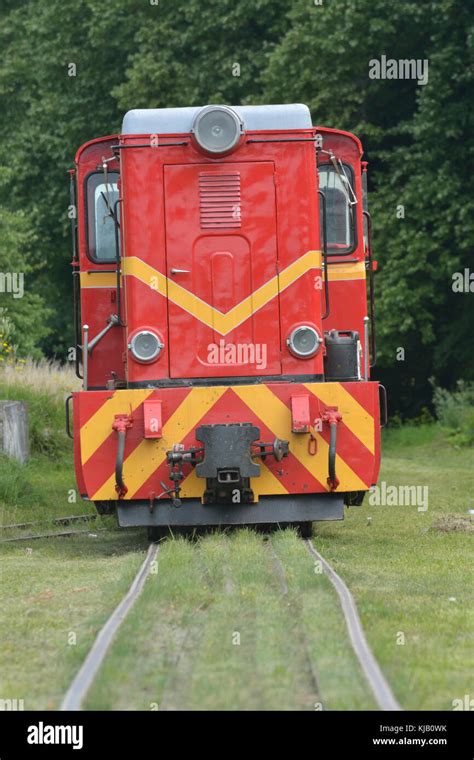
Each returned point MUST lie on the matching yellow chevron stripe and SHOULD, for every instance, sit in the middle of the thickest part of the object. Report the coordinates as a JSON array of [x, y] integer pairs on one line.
[[277, 417], [354, 416], [159, 282], [204, 312], [192, 486], [355, 271], [150, 454], [215, 319], [98, 280], [349, 480], [267, 483], [196, 307], [225, 323], [310, 260], [98, 428], [155, 280]]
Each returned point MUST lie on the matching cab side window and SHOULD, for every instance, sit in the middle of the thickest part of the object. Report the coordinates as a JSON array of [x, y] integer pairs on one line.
[[102, 193], [339, 214]]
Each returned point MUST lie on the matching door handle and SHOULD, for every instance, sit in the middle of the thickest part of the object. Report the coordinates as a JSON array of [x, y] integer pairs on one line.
[[179, 271]]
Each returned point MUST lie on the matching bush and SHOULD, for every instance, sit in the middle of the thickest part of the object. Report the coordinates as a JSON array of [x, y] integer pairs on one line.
[[6, 336], [455, 412], [44, 387]]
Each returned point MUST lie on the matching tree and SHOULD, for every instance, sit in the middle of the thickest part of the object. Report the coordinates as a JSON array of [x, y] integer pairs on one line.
[[198, 53], [22, 308], [432, 176], [419, 142], [61, 61], [72, 69]]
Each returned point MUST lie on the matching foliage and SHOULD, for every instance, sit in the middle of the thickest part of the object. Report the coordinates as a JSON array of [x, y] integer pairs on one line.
[[455, 412], [419, 140], [23, 310], [6, 337], [197, 53]]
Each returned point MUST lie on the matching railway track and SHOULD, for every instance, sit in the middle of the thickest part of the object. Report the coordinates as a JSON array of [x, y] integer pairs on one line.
[[379, 686], [50, 534], [84, 679], [56, 521], [54, 534]]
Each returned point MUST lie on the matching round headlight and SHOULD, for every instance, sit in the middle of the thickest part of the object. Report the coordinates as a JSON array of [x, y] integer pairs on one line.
[[304, 342], [217, 129], [145, 346]]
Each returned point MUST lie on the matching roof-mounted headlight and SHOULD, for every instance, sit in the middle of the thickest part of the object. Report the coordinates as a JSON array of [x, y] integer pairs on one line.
[[217, 129]]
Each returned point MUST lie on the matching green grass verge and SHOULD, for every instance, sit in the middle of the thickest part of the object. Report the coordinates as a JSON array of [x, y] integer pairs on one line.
[[213, 630], [45, 486], [411, 572], [55, 596]]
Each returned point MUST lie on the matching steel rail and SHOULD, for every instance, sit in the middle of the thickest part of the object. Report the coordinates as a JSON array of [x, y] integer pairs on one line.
[[84, 679], [55, 534], [379, 686], [56, 521]]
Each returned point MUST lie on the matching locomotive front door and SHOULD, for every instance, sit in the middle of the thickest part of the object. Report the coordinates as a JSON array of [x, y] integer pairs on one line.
[[221, 250]]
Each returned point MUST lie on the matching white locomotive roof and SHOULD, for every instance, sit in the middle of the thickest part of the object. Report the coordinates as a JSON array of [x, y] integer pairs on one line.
[[144, 121]]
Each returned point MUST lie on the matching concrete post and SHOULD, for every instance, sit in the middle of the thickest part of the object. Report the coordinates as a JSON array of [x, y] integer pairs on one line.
[[14, 438]]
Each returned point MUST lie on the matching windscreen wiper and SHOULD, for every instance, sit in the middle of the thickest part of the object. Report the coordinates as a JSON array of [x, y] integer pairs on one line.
[[109, 208], [341, 172]]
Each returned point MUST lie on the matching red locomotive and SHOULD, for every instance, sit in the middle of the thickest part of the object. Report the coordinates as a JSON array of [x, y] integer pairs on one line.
[[224, 319]]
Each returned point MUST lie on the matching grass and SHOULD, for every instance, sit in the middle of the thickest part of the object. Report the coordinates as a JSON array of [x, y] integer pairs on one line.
[[38, 491], [410, 572], [55, 596], [51, 379], [412, 578], [45, 487], [213, 630]]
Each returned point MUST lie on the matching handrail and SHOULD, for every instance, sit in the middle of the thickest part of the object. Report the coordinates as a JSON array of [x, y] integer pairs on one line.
[[75, 273], [373, 345], [118, 260], [325, 256], [85, 356]]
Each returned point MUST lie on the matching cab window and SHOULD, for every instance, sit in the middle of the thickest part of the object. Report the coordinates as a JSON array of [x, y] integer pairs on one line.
[[102, 194], [340, 215]]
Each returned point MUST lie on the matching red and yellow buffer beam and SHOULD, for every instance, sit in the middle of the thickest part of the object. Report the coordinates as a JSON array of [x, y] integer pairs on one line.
[[269, 406]]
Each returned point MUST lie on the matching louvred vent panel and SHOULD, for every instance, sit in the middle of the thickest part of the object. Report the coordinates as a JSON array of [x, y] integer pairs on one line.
[[219, 199]]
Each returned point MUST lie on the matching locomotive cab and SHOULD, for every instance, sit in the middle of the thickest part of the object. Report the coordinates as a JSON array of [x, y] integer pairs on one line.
[[225, 319]]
